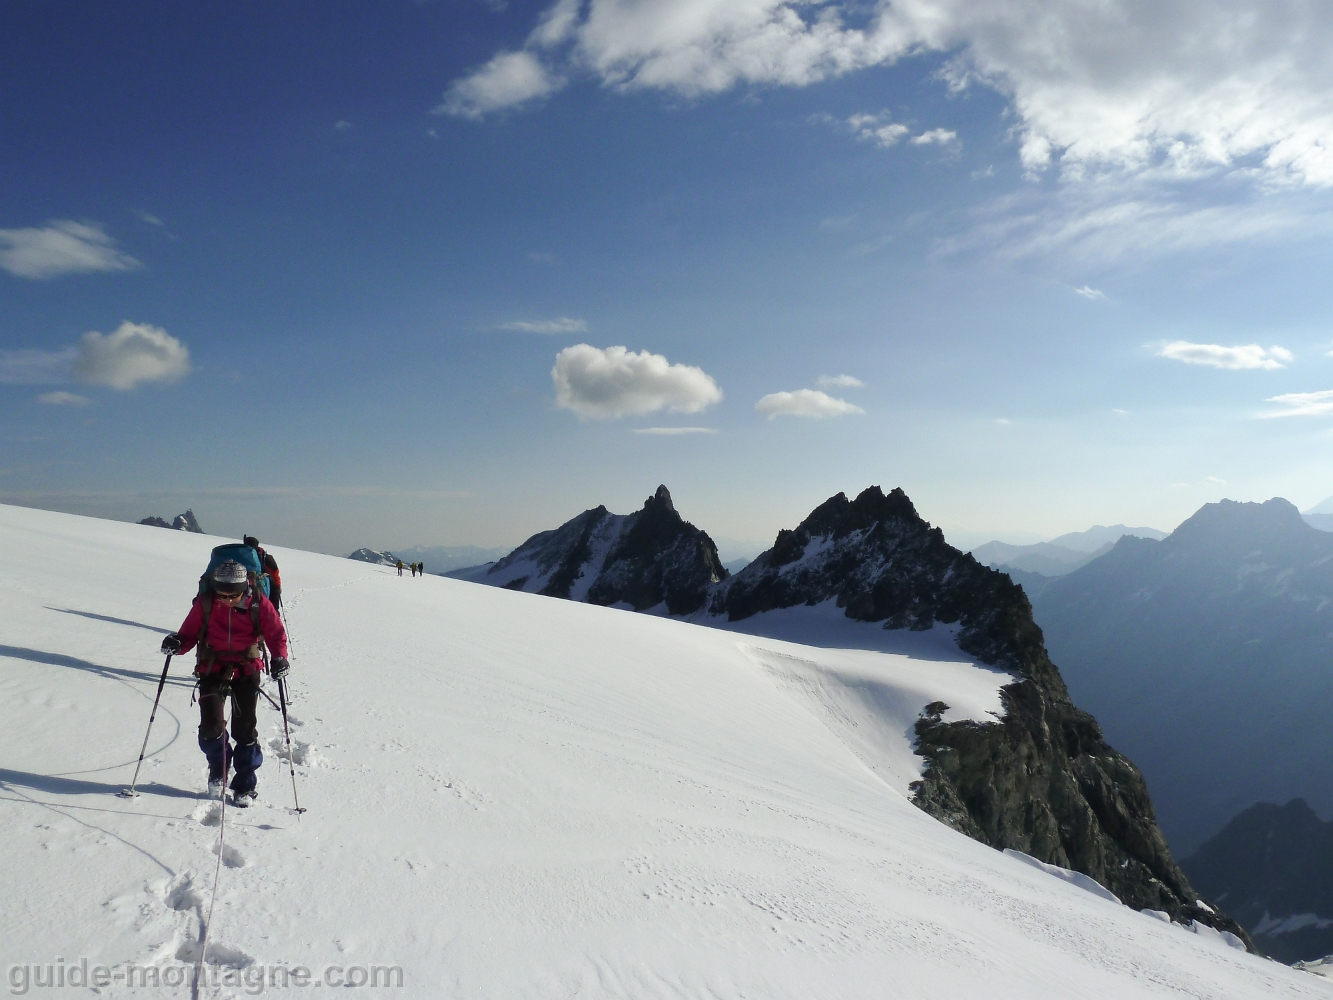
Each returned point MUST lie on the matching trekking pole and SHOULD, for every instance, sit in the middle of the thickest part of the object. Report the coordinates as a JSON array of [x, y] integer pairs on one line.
[[282, 698], [130, 793]]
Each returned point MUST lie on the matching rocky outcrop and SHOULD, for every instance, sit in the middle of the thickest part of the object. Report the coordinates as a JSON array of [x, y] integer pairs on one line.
[[1043, 780], [181, 522], [649, 558]]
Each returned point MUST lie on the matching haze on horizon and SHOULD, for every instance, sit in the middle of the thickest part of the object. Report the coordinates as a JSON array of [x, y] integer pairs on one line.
[[450, 273]]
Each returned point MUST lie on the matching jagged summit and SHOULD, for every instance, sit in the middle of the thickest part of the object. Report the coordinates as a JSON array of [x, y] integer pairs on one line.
[[181, 522], [649, 558]]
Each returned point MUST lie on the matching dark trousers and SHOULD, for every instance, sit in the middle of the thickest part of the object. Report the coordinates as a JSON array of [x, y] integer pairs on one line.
[[245, 756]]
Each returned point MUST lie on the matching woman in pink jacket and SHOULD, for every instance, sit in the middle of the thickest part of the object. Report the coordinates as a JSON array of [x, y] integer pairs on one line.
[[230, 623]]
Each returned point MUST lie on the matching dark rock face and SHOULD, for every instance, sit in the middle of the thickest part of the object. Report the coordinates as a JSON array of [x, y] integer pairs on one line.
[[187, 522], [1043, 780], [371, 556], [1272, 866], [644, 559], [182, 522]]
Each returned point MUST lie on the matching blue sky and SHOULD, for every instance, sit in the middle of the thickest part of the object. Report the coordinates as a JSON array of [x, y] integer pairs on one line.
[[352, 274]]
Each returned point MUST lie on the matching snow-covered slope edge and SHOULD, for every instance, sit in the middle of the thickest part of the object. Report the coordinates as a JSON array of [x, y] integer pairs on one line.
[[508, 796], [1036, 777]]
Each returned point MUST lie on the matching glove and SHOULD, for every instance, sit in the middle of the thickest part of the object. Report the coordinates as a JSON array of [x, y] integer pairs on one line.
[[279, 668], [171, 643]]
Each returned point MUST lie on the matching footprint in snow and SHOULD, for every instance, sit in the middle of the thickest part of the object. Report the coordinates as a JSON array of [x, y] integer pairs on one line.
[[208, 813], [218, 954], [231, 857], [183, 895]]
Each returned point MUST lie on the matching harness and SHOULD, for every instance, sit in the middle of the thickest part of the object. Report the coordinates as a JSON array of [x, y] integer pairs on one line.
[[206, 655]]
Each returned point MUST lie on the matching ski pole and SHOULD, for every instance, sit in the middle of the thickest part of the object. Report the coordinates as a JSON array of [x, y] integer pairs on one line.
[[130, 793], [282, 698]]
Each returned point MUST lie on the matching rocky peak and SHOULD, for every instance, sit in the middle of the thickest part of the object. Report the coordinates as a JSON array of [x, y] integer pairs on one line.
[[662, 498], [644, 559], [1042, 780], [181, 522]]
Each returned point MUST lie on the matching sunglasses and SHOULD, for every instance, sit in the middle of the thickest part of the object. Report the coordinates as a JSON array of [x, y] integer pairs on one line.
[[231, 597]]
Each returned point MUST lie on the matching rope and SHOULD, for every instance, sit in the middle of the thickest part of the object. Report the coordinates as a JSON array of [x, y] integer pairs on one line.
[[222, 844]]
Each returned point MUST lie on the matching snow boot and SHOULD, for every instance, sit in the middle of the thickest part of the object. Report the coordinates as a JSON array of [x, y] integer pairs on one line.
[[216, 787], [244, 800]]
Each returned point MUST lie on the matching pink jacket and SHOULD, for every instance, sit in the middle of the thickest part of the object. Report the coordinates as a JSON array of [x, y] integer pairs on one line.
[[231, 633]]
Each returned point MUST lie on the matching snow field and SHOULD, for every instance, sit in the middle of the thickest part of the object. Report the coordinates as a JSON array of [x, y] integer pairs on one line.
[[514, 796]]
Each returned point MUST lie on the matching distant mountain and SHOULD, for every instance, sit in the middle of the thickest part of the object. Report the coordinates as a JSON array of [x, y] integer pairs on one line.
[[1045, 558], [1320, 515], [371, 556], [1060, 555], [1041, 780], [641, 560], [181, 522], [736, 565], [1272, 867], [1206, 657]]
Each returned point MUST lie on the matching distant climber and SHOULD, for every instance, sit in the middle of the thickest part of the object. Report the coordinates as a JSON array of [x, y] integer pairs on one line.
[[229, 622], [400, 567], [270, 570]]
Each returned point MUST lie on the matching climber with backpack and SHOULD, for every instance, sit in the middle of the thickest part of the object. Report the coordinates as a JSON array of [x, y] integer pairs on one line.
[[230, 622], [269, 565]]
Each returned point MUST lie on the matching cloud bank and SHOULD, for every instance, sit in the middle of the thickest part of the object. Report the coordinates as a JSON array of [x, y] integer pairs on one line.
[[1216, 356], [810, 403], [62, 247], [598, 383], [1182, 86], [672, 431]]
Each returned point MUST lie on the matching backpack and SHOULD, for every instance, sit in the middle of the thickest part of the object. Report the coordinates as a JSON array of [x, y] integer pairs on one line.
[[254, 571], [236, 552]]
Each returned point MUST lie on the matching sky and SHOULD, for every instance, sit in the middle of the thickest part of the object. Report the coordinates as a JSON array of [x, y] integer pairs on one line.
[[449, 272]]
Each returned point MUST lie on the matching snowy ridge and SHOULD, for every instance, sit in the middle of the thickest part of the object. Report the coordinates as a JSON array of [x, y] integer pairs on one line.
[[583, 802]]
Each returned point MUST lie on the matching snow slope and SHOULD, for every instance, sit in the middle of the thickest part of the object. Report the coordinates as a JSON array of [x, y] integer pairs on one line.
[[512, 796]]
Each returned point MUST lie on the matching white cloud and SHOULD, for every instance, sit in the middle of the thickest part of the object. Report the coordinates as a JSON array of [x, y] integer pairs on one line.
[[804, 403], [839, 382], [1090, 293], [1214, 481], [134, 353], [873, 128], [341, 125], [508, 80], [935, 137], [1302, 404], [31, 367], [62, 398], [1002, 421], [1185, 86], [1216, 356], [62, 247], [674, 430], [561, 324], [615, 382], [1118, 412]]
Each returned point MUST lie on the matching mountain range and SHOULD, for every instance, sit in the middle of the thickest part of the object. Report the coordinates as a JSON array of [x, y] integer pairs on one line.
[[1205, 656], [1039, 779], [1060, 555]]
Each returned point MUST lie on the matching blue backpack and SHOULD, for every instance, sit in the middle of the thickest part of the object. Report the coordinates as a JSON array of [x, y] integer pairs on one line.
[[236, 552]]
